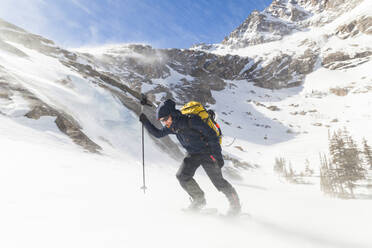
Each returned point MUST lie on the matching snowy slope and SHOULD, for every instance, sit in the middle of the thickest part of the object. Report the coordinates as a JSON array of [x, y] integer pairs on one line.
[[55, 196], [304, 117]]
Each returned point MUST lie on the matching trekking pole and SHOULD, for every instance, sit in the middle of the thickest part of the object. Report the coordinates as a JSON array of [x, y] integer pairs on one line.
[[143, 158], [143, 103]]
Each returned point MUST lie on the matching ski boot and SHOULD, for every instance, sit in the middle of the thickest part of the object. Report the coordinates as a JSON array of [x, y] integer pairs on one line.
[[196, 204], [235, 207]]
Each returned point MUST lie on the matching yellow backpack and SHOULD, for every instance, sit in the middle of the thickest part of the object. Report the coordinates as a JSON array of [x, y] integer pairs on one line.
[[208, 116]]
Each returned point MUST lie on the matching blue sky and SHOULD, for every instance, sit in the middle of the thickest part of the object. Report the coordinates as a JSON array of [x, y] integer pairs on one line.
[[160, 23]]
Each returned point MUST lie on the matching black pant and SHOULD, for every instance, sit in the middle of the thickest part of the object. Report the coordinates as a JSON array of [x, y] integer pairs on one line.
[[211, 166]]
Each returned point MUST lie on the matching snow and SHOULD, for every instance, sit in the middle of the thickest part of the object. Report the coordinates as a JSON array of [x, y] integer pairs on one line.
[[351, 111], [246, 67], [54, 194], [173, 79], [14, 107]]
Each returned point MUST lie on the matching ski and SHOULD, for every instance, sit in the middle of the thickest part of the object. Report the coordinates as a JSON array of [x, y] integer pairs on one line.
[[215, 212], [236, 216], [204, 211]]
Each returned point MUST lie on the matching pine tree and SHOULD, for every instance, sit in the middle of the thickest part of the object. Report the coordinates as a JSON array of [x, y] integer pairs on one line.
[[353, 162], [279, 166], [325, 185], [337, 149], [367, 151], [345, 166], [290, 169], [329, 182], [308, 171]]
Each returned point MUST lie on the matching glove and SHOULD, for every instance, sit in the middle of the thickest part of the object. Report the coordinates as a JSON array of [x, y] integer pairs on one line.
[[144, 100], [143, 118]]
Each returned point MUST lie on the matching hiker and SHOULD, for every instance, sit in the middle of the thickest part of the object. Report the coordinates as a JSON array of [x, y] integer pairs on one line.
[[203, 148]]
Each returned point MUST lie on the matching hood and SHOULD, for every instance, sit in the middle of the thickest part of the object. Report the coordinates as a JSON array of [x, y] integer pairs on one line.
[[168, 107]]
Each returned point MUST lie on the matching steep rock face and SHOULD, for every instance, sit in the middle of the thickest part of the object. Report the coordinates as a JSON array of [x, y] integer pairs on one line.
[[353, 52], [361, 25], [282, 70], [340, 60]]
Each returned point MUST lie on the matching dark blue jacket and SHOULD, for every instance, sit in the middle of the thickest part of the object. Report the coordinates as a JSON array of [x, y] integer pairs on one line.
[[193, 133]]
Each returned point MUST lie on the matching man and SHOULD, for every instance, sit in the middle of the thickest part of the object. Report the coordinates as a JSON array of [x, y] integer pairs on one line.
[[203, 148]]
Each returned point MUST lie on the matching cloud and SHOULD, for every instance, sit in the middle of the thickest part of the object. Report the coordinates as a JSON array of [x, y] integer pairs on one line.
[[81, 6]]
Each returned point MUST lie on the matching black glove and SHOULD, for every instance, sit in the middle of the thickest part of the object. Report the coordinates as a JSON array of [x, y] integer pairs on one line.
[[143, 118], [144, 100]]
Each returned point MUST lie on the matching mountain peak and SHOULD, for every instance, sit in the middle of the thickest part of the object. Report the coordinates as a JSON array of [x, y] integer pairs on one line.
[[283, 17]]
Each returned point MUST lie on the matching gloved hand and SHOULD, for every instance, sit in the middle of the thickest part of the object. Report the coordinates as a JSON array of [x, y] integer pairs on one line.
[[143, 118], [144, 100]]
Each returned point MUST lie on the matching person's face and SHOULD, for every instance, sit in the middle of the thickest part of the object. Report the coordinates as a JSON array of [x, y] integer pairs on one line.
[[166, 121]]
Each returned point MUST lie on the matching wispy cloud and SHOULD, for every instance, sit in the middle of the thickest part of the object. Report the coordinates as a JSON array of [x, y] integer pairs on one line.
[[81, 6]]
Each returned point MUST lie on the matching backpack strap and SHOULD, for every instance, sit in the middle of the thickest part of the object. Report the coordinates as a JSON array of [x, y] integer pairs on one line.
[[189, 123], [216, 124]]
